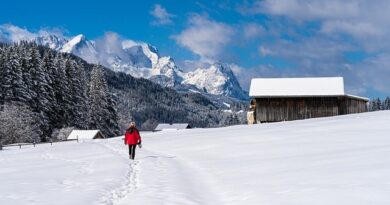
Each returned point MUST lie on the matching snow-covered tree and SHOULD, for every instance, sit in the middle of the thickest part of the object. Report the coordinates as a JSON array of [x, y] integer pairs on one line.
[[41, 90], [376, 104], [386, 104], [15, 89], [18, 124], [61, 134], [102, 113], [78, 94], [49, 68], [61, 93], [2, 74], [25, 61]]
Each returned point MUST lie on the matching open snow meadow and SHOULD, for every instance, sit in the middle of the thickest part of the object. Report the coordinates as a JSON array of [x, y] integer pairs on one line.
[[335, 160]]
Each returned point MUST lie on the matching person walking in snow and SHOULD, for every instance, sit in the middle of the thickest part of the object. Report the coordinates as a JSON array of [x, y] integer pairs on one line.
[[132, 138]]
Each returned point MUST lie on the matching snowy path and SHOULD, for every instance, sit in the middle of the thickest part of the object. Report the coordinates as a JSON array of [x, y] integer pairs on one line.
[[340, 160], [157, 178]]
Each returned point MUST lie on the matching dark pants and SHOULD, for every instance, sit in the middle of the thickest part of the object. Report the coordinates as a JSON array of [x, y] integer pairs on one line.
[[132, 150]]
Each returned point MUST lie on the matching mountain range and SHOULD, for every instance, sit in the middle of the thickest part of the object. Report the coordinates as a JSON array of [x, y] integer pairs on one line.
[[143, 60]]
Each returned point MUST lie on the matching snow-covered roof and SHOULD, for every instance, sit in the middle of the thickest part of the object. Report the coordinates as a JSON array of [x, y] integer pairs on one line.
[[84, 134], [298, 87], [176, 126]]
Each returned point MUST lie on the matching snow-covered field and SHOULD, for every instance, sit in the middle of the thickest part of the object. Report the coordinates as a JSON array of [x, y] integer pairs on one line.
[[338, 160]]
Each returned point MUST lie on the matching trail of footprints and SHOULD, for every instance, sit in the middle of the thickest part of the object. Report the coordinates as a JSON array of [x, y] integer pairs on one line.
[[130, 181]]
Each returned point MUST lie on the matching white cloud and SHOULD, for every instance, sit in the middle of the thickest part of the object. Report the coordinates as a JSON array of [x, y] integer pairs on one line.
[[127, 43], [358, 29], [245, 75], [253, 30], [161, 15], [309, 9], [110, 48], [365, 20], [264, 51], [375, 71], [318, 56], [59, 32], [15, 34], [205, 37], [313, 37]]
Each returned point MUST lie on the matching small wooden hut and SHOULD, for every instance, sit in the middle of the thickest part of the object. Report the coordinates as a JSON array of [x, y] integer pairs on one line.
[[85, 135], [283, 99], [174, 126]]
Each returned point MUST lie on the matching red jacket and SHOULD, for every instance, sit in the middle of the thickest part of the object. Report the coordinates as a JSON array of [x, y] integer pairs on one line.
[[132, 138]]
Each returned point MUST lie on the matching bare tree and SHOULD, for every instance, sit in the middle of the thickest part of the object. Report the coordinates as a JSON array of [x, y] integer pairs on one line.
[[61, 134], [17, 124]]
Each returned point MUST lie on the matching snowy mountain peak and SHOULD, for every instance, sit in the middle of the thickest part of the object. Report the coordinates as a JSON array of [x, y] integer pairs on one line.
[[73, 43], [80, 46], [50, 40], [166, 66], [217, 79], [78, 38]]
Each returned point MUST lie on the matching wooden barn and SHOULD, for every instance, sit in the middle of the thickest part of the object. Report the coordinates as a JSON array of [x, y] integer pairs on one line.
[[283, 99]]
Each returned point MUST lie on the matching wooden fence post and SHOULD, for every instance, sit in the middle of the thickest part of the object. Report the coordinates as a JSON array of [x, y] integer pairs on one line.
[[1, 145], [20, 146], [77, 138], [34, 143], [51, 141]]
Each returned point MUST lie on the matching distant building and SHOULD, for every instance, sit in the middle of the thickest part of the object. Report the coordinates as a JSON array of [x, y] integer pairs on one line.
[[175, 126], [85, 135], [282, 99]]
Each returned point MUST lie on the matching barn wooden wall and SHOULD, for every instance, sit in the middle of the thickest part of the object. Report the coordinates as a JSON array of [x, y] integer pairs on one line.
[[284, 109], [352, 105]]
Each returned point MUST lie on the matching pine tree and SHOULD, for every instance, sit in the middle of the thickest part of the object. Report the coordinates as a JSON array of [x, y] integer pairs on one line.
[[61, 93], [386, 104], [15, 88], [41, 90], [372, 105], [7, 76], [379, 104], [48, 67], [113, 118], [102, 114], [2, 74], [77, 84], [25, 60], [72, 81], [82, 95], [376, 104]]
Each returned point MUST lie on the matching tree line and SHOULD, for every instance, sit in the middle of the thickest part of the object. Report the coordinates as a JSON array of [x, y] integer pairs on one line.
[[42, 90], [377, 104]]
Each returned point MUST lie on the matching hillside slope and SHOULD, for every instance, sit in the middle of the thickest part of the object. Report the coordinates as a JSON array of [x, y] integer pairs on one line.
[[335, 160], [62, 81]]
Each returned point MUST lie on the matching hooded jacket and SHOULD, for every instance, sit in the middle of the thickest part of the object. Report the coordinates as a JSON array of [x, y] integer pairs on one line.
[[132, 136]]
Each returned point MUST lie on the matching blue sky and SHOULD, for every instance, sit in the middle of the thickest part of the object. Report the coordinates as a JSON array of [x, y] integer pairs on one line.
[[259, 38]]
